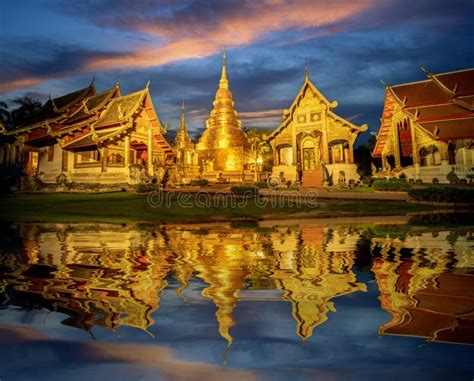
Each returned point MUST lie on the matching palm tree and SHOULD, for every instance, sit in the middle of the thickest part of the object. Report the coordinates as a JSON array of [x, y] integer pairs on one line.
[[4, 113], [27, 107]]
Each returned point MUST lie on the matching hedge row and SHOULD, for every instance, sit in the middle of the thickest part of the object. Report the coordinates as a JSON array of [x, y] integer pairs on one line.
[[245, 190], [391, 185], [200, 182], [443, 194]]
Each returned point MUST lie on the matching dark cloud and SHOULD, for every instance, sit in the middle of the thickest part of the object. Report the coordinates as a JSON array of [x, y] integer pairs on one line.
[[175, 46]]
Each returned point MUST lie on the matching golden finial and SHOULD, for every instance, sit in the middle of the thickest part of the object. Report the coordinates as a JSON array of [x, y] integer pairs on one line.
[[147, 84], [426, 71], [306, 72], [223, 83]]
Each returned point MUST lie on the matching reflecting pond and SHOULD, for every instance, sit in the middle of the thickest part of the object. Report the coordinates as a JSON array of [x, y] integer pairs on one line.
[[299, 300]]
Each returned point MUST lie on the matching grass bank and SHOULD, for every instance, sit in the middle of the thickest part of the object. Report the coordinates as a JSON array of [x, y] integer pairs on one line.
[[126, 208]]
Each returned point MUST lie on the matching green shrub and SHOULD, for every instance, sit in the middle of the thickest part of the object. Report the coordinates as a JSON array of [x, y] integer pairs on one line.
[[452, 178], [262, 185], [145, 188], [245, 190], [391, 185], [443, 194], [200, 182]]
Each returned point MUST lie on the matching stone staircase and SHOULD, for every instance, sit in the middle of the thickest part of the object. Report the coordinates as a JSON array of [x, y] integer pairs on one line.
[[313, 179]]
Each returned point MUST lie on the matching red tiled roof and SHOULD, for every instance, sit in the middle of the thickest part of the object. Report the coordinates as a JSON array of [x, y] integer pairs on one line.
[[443, 105]]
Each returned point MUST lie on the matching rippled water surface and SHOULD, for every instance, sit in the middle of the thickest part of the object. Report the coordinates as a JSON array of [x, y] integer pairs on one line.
[[294, 301]]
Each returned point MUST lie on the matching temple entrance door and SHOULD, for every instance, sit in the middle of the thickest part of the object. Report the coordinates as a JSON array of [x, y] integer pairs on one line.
[[309, 162]]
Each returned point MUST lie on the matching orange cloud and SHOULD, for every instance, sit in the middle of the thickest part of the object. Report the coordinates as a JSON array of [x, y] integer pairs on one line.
[[238, 28], [20, 83], [201, 32]]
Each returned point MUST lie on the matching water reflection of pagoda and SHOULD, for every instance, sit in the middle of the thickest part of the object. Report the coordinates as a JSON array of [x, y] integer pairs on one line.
[[112, 277], [428, 294]]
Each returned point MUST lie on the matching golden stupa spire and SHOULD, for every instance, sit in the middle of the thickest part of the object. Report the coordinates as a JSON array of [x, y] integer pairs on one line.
[[306, 75], [183, 121], [224, 83], [182, 137]]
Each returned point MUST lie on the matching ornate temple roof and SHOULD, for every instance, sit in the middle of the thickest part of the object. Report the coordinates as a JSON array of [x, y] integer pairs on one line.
[[442, 106], [118, 119], [59, 107], [309, 86], [122, 108], [223, 127], [93, 104]]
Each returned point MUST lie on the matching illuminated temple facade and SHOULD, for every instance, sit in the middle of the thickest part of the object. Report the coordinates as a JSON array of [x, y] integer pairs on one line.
[[427, 129], [90, 137], [313, 145], [224, 149]]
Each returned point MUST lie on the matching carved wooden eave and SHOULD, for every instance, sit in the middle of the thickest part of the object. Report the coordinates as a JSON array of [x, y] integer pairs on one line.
[[345, 123], [452, 93]]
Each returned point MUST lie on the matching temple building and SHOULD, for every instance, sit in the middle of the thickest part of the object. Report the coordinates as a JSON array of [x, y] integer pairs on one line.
[[224, 150], [89, 137], [313, 144], [187, 165], [427, 128]]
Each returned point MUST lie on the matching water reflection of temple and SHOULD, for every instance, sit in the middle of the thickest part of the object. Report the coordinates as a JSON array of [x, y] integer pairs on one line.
[[428, 293], [112, 277], [312, 266]]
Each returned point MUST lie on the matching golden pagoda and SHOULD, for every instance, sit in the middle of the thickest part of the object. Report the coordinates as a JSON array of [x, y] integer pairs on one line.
[[223, 148], [186, 158]]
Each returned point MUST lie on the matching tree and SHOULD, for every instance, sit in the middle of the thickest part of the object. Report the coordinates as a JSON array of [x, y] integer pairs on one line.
[[27, 107], [261, 148], [4, 113], [363, 156]]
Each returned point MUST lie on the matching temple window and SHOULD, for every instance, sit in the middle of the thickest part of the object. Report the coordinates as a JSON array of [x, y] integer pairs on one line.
[[315, 116], [339, 152], [88, 157], [429, 156], [301, 118], [285, 155], [51, 153], [115, 159]]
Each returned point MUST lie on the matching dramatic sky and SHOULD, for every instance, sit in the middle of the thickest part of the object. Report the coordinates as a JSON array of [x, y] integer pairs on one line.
[[57, 46]]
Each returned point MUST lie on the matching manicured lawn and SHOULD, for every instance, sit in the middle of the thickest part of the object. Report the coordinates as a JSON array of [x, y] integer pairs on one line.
[[126, 207]]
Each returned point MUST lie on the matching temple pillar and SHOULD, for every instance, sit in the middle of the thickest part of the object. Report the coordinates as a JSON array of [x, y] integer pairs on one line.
[[443, 152], [275, 153], [293, 144], [414, 144], [103, 153], [414, 149], [351, 153], [396, 143], [325, 138], [127, 153], [150, 152]]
